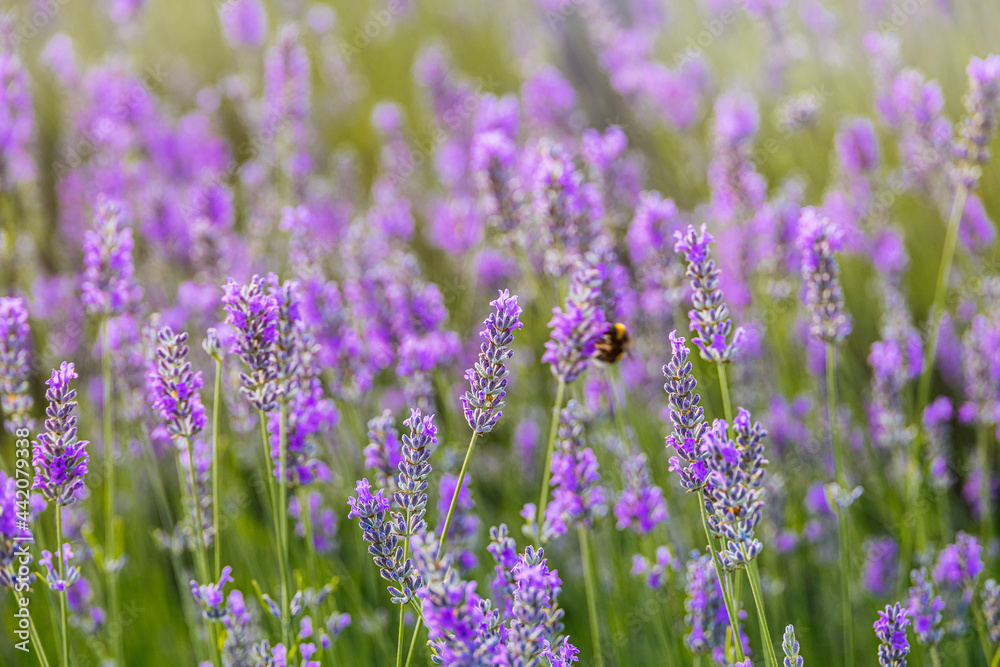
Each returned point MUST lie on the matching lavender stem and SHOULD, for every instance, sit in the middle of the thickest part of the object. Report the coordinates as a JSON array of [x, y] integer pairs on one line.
[[62, 594], [454, 497], [111, 572], [842, 516], [553, 430], [588, 583]]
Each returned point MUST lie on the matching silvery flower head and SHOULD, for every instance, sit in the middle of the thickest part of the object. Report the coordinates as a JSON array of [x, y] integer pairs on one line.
[[818, 240]]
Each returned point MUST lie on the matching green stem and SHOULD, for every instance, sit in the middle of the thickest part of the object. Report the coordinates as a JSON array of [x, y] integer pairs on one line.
[[399, 641], [996, 658], [268, 465], [43, 659], [215, 466], [454, 497], [731, 609], [200, 541], [588, 583], [935, 657], [984, 640], [550, 450], [64, 634], [753, 573], [282, 518], [842, 512], [413, 642], [727, 406], [110, 544]]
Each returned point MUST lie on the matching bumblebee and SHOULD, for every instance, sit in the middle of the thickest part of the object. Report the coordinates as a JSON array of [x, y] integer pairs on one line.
[[614, 345]]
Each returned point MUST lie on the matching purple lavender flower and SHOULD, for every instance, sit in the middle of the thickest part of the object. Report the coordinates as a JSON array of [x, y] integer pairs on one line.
[[982, 102], [879, 571], [383, 454], [709, 319], [890, 628], [253, 312], [655, 572], [322, 522], [492, 161], [453, 613], [484, 403], [925, 608], [959, 564], [244, 22], [174, 388], [535, 618], [414, 469], [641, 506], [109, 276], [209, 596], [817, 240], [71, 574], [577, 328], [381, 532], [734, 491], [577, 496], [60, 460], [15, 365], [705, 610], [687, 417], [17, 122]]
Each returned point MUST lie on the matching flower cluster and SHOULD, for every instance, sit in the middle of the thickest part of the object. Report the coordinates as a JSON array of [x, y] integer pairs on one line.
[[253, 312], [791, 648], [382, 454], [705, 610], [734, 491], [577, 496], [380, 531], [108, 285], [15, 536], [174, 387], [414, 469], [484, 402], [578, 327], [15, 365], [925, 608], [890, 628], [641, 506], [209, 597], [709, 319], [818, 240], [982, 103], [687, 417], [60, 460]]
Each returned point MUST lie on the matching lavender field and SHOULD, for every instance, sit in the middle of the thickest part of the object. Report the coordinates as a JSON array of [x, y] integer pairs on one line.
[[529, 334]]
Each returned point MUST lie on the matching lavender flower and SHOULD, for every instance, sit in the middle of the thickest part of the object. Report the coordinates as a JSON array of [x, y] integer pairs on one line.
[[535, 618], [244, 22], [15, 365], [453, 613], [982, 102], [108, 279], [687, 417], [71, 573], [890, 628], [791, 648], [705, 610], [577, 328], [484, 403], [17, 120], [641, 506], [381, 533], [209, 596], [60, 460], [817, 240], [174, 387], [577, 497], [879, 571], [925, 608], [253, 312], [734, 493], [981, 368], [414, 470], [709, 319], [383, 454], [955, 573]]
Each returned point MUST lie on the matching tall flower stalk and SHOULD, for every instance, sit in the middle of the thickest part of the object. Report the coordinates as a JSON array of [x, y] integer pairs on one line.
[[818, 240], [576, 330], [212, 346], [60, 462], [109, 289]]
